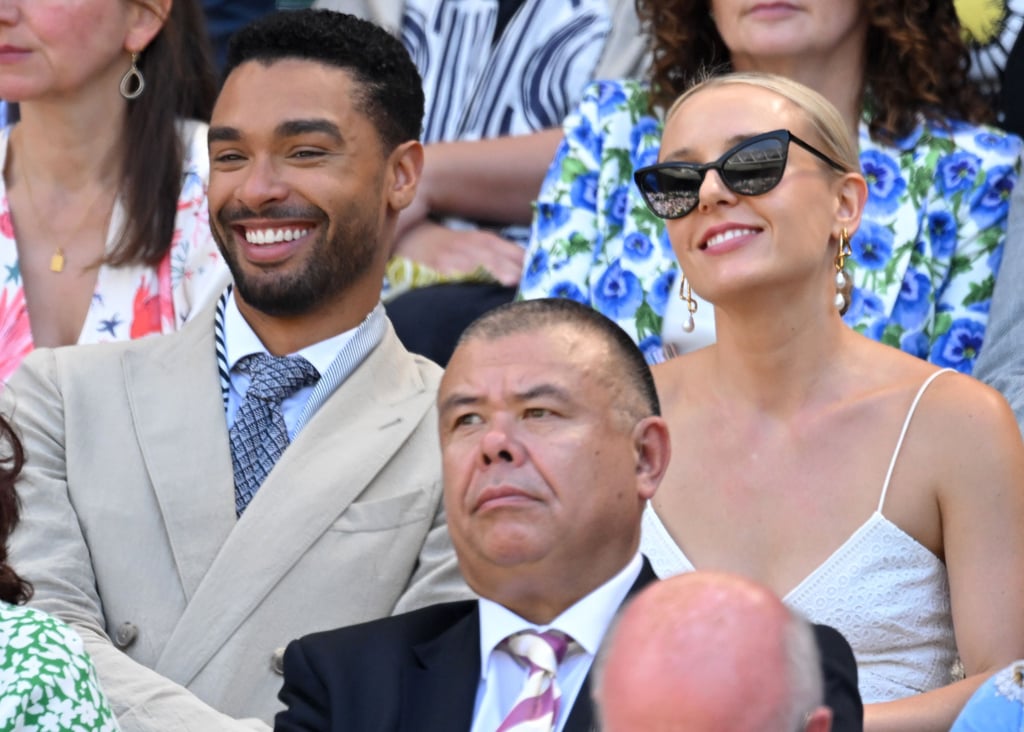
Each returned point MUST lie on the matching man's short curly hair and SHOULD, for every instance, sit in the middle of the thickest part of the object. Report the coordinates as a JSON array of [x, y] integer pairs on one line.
[[392, 90], [916, 60]]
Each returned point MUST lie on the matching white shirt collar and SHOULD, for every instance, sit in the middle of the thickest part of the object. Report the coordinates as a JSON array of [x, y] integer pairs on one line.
[[240, 340], [586, 621]]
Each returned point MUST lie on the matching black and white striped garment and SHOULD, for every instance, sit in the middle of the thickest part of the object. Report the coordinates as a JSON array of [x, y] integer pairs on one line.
[[481, 80], [527, 79]]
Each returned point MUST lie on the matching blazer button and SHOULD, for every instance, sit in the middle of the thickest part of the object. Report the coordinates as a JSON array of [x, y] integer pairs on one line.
[[277, 661], [125, 635]]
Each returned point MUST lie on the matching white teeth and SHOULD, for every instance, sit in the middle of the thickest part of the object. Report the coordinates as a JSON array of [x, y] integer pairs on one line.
[[726, 236], [273, 236]]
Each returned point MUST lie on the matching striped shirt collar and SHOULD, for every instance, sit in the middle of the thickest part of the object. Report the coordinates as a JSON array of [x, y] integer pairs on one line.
[[350, 349]]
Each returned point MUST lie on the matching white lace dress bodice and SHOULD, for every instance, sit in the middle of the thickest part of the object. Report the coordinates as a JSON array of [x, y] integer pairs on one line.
[[884, 591]]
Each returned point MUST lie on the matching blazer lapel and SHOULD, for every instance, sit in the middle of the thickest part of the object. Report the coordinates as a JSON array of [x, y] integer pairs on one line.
[[438, 694], [643, 579], [178, 414], [581, 719], [372, 412]]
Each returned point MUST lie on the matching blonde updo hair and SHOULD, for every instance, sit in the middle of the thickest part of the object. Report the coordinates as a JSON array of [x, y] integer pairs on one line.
[[833, 136]]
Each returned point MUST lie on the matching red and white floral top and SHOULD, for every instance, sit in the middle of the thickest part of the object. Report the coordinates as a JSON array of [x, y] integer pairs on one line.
[[133, 301]]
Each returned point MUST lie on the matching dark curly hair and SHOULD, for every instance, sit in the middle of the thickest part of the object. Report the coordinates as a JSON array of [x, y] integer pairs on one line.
[[917, 61], [390, 85], [13, 589]]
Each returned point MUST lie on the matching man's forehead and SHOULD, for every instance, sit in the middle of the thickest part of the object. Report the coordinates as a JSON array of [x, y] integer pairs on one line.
[[289, 86], [286, 66], [522, 362], [553, 346]]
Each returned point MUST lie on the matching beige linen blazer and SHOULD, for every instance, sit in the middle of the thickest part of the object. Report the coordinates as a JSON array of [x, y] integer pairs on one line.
[[129, 531]]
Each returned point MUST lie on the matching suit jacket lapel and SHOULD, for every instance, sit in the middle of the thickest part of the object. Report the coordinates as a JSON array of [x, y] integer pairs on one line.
[[643, 579], [438, 694], [581, 719], [178, 414], [372, 412]]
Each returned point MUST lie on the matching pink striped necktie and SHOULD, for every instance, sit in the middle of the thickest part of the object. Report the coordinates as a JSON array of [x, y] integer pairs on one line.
[[536, 707]]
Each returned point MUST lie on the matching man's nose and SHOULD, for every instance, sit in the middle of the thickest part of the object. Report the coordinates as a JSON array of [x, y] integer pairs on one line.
[[499, 443], [263, 184]]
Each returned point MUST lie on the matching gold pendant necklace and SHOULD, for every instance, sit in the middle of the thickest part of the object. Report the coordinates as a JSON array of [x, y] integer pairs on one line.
[[57, 259]]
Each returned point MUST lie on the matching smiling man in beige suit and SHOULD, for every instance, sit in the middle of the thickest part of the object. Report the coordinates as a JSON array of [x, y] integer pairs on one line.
[[189, 527]]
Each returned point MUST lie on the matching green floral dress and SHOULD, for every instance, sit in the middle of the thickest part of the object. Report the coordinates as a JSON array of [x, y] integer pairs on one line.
[[47, 682], [924, 259]]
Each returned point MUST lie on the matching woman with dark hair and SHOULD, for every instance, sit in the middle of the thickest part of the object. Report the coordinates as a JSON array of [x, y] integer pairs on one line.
[[923, 262], [46, 679], [830, 467], [103, 218]]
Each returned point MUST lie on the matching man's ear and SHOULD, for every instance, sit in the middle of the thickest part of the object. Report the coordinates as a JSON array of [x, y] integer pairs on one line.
[[653, 450], [820, 720], [406, 166], [146, 20]]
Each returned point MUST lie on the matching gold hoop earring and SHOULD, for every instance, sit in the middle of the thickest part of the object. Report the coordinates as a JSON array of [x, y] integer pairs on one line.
[[132, 82], [842, 301], [686, 295]]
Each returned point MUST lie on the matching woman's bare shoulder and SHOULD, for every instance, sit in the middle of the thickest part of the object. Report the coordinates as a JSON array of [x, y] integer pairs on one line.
[[962, 411], [962, 434]]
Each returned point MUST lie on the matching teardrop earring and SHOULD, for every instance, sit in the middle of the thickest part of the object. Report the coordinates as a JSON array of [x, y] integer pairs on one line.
[[686, 295], [132, 82], [842, 276]]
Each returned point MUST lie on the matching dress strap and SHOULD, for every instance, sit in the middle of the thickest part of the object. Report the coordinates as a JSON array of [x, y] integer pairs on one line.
[[903, 433]]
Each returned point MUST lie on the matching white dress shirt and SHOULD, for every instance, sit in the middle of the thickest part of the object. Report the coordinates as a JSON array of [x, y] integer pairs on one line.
[[502, 678], [240, 341]]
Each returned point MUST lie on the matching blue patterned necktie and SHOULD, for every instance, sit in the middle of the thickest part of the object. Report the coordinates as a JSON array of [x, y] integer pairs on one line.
[[259, 435]]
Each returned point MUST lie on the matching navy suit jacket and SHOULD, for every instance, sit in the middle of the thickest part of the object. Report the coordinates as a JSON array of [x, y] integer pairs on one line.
[[418, 672]]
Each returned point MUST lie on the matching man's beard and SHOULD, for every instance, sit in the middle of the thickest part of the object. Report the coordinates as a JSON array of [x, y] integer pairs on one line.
[[331, 265]]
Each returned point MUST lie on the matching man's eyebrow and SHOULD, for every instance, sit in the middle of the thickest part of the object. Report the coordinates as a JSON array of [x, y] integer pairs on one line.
[[223, 134], [457, 400], [541, 390], [295, 127], [544, 390]]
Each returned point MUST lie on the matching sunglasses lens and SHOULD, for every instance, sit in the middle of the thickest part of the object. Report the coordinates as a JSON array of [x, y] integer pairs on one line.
[[756, 168], [670, 192]]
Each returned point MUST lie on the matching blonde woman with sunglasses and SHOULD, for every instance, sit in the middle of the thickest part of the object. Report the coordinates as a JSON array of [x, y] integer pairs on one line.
[[924, 261], [869, 489]]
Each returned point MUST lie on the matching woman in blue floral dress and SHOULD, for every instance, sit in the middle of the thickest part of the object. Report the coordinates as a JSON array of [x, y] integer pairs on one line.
[[926, 256], [47, 681]]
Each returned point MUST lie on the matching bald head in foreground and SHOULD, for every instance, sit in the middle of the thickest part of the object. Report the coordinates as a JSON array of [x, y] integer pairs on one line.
[[710, 652]]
